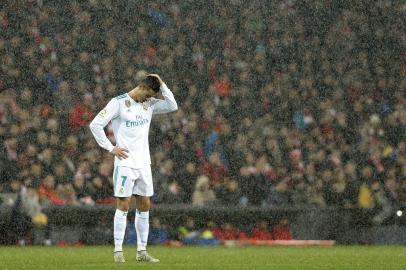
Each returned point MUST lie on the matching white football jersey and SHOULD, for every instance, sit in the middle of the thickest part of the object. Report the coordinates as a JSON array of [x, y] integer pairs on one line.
[[130, 122]]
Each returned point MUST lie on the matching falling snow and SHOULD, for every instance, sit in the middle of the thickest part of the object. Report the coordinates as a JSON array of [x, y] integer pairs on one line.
[[289, 111]]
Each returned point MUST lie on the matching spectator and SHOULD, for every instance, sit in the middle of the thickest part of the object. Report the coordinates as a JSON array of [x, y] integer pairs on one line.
[[101, 190], [261, 231], [203, 194], [229, 232], [229, 192], [187, 178], [67, 193], [82, 190], [81, 114], [188, 233], [281, 231], [48, 193], [207, 236], [386, 198], [215, 170]]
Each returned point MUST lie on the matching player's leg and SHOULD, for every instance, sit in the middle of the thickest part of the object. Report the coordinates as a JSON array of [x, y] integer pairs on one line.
[[123, 185], [142, 221], [142, 228], [143, 190], [120, 224]]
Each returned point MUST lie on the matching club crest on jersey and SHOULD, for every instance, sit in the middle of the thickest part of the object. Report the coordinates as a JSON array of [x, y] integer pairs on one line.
[[127, 103], [145, 106], [103, 113]]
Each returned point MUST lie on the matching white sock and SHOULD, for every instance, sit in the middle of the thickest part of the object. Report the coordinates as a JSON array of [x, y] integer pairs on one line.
[[142, 229], [120, 222]]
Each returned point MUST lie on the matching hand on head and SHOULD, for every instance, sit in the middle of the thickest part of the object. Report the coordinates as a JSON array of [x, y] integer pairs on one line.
[[156, 76]]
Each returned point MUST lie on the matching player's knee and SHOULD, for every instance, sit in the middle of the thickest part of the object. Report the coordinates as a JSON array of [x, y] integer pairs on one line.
[[143, 204], [123, 204], [147, 204]]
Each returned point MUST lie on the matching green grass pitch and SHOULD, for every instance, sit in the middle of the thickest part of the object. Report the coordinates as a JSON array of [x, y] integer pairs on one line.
[[195, 258]]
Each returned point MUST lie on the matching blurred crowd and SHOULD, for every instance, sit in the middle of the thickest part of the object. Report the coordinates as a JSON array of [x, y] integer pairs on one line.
[[189, 233], [281, 103]]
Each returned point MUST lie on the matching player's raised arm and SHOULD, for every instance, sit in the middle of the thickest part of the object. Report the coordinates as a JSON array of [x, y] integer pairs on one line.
[[168, 104], [101, 120]]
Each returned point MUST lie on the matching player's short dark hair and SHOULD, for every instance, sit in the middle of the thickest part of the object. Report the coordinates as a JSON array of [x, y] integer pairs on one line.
[[151, 82]]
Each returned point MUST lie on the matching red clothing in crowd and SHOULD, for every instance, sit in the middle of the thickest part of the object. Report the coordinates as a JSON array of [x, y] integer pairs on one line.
[[229, 234], [259, 234], [215, 173], [50, 194], [282, 232], [222, 88], [80, 117]]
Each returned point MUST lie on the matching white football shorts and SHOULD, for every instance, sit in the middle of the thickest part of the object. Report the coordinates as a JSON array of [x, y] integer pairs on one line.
[[129, 181]]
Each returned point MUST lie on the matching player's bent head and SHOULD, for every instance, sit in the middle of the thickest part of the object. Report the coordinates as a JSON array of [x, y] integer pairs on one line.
[[151, 82]]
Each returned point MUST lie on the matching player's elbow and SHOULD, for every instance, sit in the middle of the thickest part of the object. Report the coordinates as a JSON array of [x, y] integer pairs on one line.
[[93, 126], [174, 107]]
